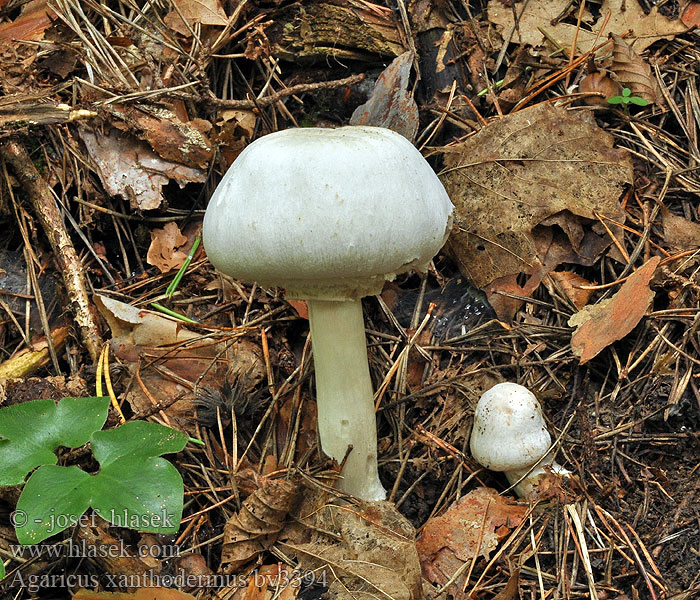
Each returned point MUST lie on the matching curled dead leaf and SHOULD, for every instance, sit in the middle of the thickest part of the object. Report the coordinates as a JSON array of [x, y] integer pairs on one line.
[[35, 19], [169, 247], [129, 168], [601, 87], [256, 526], [570, 284], [181, 141]]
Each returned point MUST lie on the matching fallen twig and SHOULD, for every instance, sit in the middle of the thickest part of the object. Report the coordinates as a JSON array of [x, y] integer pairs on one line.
[[300, 88], [69, 264]]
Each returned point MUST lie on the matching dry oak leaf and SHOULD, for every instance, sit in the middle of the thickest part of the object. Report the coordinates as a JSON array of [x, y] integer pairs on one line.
[[691, 14], [518, 172], [472, 526], [680, 232], [625, 16], [165, 250], [633, 72], [256, 526], [601, 324]]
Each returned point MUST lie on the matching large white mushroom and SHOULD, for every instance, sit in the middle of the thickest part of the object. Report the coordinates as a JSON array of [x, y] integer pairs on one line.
[[330, 215], [510, 435]]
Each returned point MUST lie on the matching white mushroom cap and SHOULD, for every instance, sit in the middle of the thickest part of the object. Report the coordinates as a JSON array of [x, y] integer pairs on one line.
[[509, 431], [327, 213]]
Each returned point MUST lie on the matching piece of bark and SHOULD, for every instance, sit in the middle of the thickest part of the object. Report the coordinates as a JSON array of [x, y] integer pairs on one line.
[[345, 30]]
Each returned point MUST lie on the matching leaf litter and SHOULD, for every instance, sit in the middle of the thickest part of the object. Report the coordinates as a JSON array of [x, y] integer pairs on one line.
[[549, 172], [170, 93]]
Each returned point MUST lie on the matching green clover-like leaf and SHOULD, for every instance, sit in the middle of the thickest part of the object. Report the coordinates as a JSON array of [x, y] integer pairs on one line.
[[52, 500], [33, 430], [134, 488], [639, 101]]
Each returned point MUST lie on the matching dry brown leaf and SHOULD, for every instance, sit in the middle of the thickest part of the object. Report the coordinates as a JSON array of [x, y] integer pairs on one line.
[[500, 293], [518, 172], [204, 12], [570, 284], [625, 16], [165, 250], [601, 324], [235, 129], [365, 550], [634, 73], [391, 105], [472, 526], [300, 306], [183, 142], [680, 232], [256, 526], [31, 24], [129, 168]]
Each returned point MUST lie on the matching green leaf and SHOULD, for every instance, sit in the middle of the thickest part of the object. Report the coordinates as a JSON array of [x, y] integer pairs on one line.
[[134, 488], [52, 500], [2, 569], [639, 101], [616, 100], [626, 92], [33, 430]]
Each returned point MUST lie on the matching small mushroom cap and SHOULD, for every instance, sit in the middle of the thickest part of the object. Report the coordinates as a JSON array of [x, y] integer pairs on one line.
[[327, 213], [509, 430]]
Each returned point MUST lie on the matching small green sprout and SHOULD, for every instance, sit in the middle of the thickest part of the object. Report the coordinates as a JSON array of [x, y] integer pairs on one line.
[[627, 98]]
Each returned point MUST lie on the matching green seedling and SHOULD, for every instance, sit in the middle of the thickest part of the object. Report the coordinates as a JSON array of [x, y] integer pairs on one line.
[[627, 98], [171, 313], [181, 271], [133, 488]]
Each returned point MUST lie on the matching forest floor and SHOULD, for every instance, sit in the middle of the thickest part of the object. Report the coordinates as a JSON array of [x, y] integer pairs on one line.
[[565, 133]]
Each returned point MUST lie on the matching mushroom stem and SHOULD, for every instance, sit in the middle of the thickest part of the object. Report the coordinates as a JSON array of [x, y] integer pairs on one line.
[[344, 393]]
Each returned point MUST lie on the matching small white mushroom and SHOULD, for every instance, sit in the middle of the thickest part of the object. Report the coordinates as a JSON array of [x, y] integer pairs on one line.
[[330, 215], [510, 435]]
